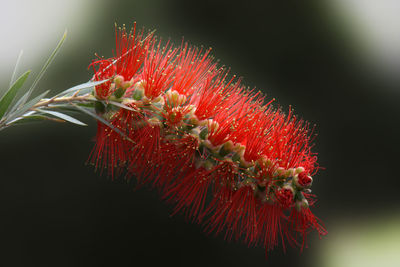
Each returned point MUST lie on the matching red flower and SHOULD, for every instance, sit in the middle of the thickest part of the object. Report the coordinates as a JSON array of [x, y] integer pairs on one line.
[[304, 180], [106, 70], [158, 70], [208, 144], [130, 52], [192, 69], [285, 197]]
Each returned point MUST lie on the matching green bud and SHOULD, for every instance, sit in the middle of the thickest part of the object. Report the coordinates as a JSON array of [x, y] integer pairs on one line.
[[226, 148], [119, 92], [203, 134], [301, 204], [236, 157], [208, 165], [99, 107], [138, 94], [201, 148]]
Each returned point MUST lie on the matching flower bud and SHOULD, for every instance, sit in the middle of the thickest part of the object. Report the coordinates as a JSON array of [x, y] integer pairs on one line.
[[119, 92], [280, 171], [289, 172], [285, 196], [193, 120], [99, 107], [126, 85], [212, 125], [264, 163], [138, 92], [239, 148], [118, 80], [154, 121], [226, 148], [208, 165], [204, 133], [302, 180], [301, 204], [298, 170], [174, 99]]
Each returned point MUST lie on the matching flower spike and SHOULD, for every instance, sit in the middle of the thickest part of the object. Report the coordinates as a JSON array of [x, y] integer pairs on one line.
[[219, 152]]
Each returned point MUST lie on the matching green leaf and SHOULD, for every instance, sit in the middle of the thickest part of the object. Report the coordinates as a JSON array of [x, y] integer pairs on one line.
[[86, 105], [121, 105], [18, 103], [44, 68], [102, 120], [34, 118], [11, 93], [63, 116], [16, 68], [21, 111], [81, 88]]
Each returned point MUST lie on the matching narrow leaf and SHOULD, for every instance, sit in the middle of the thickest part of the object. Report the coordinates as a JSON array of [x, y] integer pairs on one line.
[[16, 67], [44, 68], [35, 118], [21, 111], [102, 120], [18, 103], [121, 105], [11, 93], [63, 116], [86, 105], [81, 88]]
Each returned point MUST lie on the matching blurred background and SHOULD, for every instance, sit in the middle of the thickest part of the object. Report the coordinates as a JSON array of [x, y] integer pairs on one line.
[[337, 62]]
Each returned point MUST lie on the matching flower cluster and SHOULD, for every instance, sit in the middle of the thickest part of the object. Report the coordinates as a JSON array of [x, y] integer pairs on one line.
[[214, 149]]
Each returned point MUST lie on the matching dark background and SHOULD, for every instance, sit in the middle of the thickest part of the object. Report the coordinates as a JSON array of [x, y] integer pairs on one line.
[[55, 211]]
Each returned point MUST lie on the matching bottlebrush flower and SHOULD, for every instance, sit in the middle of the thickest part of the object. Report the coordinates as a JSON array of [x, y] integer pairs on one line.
[[219, 152]]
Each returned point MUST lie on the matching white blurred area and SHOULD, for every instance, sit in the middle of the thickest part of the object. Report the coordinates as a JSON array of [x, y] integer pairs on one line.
[[373, 242], [35, 27], [374, 26]]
